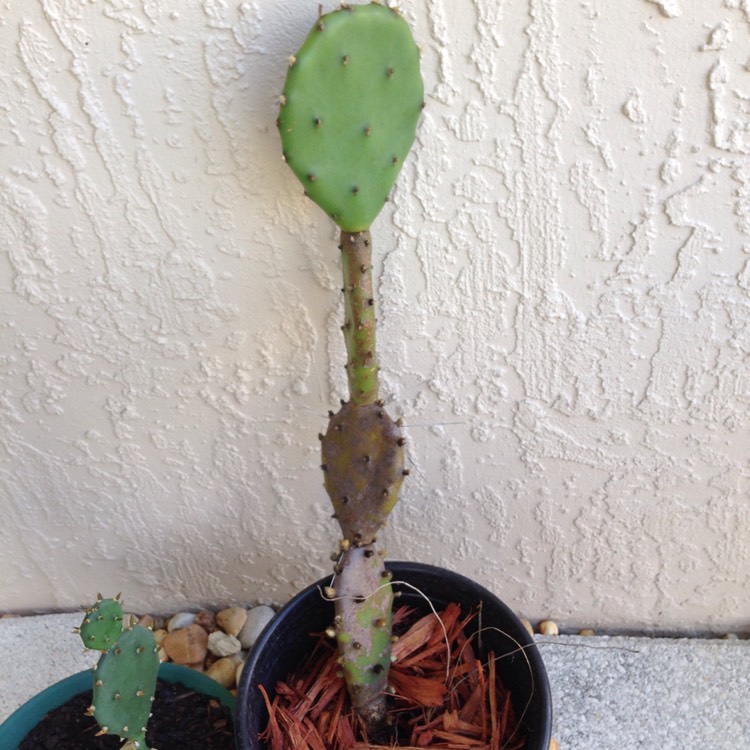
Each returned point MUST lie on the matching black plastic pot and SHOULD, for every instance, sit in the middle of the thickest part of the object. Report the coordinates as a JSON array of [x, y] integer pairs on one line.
[[284, 645], [27, 716]]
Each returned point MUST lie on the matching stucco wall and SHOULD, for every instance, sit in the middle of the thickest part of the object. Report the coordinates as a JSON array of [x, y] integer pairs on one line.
[[564, 298]]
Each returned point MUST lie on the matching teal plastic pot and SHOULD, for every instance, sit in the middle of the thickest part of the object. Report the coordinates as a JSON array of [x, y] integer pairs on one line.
[[23, 720], [285, 644]]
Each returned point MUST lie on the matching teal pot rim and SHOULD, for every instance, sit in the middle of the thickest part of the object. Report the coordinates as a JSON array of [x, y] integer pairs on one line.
[[284, 644], [27, 716]]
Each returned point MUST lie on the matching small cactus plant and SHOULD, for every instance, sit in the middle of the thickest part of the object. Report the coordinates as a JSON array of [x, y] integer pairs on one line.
[[348, 117], [125, 675]]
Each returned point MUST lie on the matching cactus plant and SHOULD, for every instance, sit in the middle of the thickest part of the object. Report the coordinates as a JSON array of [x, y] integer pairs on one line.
[[125, 675], [348, 117]]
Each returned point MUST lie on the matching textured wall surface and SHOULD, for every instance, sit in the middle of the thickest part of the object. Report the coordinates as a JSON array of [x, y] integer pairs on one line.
[[564, 298]]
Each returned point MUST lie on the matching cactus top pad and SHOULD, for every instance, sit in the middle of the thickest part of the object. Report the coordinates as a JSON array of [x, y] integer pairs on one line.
[[350, 107]]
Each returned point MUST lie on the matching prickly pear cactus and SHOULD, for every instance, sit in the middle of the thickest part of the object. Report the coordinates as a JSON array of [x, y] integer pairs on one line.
[[348, 118], [102, 625], [349, 111], [363, 468], [124, 684], [125, 675]]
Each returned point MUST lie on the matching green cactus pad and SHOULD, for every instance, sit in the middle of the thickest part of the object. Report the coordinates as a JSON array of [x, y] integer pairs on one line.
[[350, 106], [363, 461], [375, 618], [363, 628], [102, 624], [124, 684]]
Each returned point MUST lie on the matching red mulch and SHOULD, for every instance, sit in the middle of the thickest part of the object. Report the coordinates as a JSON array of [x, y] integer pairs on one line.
[[458, 705]]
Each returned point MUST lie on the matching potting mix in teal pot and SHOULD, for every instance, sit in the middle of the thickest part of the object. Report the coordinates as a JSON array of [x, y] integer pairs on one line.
[[449, 665], [129, 700]]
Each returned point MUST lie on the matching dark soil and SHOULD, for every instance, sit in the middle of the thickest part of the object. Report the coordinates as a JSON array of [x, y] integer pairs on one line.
[[182, 720]]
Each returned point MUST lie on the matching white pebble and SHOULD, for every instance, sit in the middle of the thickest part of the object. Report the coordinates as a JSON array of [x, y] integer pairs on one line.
[[180, 620], [257, 619], [223, 644], [529, 627]]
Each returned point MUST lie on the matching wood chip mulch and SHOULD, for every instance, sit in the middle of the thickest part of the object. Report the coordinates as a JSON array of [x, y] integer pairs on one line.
[[445, 697]]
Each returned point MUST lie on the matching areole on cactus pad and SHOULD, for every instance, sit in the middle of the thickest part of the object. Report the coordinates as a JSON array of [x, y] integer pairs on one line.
[[350, 107]]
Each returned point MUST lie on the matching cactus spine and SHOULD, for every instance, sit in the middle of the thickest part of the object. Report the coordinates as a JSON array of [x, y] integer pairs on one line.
[[348, 117], [125, 675]]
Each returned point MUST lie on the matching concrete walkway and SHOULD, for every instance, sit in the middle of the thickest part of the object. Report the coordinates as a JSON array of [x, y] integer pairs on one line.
[[609, 693]]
